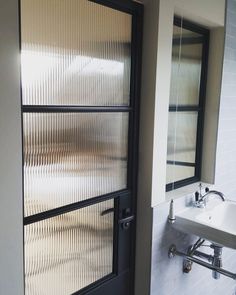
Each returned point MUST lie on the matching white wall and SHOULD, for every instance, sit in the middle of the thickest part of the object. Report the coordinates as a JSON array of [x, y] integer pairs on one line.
[[147, 114], [11, 217], [210, 13], [162, 93], [215, 65]]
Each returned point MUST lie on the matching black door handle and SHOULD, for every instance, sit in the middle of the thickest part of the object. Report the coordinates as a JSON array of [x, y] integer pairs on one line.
[[107, 211], [125, 222]]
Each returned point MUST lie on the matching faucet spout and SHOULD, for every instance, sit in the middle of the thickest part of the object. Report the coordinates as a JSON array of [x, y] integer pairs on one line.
[[216, 193], [201, 203]]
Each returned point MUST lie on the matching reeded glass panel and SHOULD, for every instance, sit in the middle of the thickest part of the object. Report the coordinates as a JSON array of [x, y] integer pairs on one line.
[[182, 136], [186, 68], [180, 32], [186, 76], [176, 172], [67, 253], [75, 52], [70, 157]]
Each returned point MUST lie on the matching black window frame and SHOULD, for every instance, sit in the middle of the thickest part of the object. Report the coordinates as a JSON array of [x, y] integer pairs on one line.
[[200, 108]]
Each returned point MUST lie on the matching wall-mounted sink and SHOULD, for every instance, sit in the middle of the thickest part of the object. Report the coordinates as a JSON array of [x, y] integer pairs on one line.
[[215, 223]]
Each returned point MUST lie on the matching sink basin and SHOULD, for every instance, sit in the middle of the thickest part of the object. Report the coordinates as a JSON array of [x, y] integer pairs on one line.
[[215, 223]]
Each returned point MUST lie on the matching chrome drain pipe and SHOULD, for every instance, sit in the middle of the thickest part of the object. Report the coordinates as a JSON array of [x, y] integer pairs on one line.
[[216, 269], [217, 260]]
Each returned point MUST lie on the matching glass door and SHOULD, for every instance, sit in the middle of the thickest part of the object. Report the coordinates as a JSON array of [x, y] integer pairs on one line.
[[80, 73]]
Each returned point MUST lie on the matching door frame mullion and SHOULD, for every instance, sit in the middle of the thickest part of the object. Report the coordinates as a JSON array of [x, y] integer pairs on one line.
[[127, 6], [73, 207]]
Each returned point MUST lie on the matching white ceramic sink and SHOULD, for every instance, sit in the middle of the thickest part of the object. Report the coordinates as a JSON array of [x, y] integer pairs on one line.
[[215, 223]]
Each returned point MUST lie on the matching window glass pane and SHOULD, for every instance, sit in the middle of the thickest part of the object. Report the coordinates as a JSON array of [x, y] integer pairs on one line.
[[185, 87], [182, 136], [186, 69], [69, 252], [179, 31], [176, 172], [70, 157], [75, 52]]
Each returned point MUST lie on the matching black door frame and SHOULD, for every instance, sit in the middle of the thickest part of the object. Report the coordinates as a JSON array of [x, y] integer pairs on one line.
[[136, 10]]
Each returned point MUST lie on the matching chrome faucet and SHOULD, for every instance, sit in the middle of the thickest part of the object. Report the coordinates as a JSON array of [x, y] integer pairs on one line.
[[200, 200]]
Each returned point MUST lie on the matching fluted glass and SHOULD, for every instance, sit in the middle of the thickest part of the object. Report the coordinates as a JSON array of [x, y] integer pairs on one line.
[[177, 172], [70, 157], [69, 252], [74, 52], [182, 136], [186, 67]]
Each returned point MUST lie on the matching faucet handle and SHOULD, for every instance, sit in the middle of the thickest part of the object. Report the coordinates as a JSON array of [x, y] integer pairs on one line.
[[200, 189], [199, 202], [197, 196], [207, 189]]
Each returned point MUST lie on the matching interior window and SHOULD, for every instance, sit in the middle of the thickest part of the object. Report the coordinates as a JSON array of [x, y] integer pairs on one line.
[[186, 104]]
